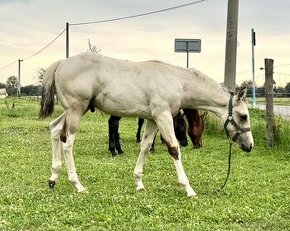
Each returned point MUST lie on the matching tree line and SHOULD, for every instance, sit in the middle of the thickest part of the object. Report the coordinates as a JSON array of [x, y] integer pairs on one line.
[[260, 91], [35, 90], [11, 85]]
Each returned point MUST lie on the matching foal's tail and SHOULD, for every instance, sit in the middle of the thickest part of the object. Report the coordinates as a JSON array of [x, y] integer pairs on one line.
[[48, 91]]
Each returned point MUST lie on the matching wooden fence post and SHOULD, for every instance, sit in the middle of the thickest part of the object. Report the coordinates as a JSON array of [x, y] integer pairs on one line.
[[269, 93]]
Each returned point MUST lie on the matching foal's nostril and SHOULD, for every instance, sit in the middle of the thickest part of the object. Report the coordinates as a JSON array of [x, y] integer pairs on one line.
[[246, 148]]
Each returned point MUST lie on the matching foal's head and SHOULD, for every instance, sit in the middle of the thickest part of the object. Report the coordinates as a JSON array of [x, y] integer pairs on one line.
[[194, 129], [237, 121]]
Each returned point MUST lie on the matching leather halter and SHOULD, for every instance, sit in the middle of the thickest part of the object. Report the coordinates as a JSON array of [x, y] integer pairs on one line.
[[230, 119]]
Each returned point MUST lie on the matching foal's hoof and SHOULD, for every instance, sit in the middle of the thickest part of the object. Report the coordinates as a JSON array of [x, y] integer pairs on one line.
[[141, 189], [192, 195], [51, 183], [82, 190]]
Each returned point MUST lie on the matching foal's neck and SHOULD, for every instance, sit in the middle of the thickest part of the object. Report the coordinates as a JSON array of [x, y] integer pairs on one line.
[[206, 95]]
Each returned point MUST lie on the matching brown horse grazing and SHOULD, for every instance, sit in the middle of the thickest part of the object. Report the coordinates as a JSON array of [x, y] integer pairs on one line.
[[187, 119], [195, 126]]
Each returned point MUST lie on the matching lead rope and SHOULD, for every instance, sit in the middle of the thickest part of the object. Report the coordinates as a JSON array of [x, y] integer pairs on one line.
[[229, 165], [240, 130], [229, 119]]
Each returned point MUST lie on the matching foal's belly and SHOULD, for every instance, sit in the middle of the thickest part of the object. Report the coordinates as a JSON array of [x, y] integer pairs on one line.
[[122, 108]]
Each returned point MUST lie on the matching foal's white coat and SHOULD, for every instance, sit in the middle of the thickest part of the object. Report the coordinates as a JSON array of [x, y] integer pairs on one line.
[[152, 90]]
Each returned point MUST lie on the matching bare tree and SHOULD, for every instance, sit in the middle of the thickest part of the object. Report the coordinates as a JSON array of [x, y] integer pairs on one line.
[[39, 74], [93, 48]]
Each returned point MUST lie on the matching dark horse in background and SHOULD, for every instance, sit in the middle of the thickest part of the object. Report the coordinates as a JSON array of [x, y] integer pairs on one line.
[[187, 119]]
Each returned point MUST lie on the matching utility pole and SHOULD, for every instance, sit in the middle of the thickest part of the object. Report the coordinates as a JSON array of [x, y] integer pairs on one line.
[[231, 45], [187, 55], [270, 122], [18, 82], [67, 40], [253, 33]]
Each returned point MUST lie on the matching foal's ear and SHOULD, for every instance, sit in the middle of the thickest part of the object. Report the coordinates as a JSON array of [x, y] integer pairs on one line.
[[242, 93]]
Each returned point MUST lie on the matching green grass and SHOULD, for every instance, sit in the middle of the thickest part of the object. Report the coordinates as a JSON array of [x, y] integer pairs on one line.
[[257, 196]]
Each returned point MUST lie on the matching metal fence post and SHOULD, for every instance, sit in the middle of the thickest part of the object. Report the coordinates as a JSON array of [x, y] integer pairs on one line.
[[269, 93]]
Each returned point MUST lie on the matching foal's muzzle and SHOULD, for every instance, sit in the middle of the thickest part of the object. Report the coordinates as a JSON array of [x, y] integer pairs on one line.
[[246, 148]]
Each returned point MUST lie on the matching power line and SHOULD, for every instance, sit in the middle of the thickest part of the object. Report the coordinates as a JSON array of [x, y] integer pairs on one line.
[[259, 69], [42, 49], [282, 65], [104, 21], [279, 73], [36, 53], [8, 65], [138, 15]]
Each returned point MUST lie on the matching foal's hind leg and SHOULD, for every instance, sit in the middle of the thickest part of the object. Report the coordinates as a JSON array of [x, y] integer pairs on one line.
[[165, 125], [56, 129], [146, 143], [73, 119], [138, 134]]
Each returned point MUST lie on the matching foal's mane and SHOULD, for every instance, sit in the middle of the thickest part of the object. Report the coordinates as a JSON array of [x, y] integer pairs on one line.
[[200, 76]]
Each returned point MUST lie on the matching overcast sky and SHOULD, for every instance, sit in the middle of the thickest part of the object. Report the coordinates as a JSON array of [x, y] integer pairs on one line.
[[29, 25]]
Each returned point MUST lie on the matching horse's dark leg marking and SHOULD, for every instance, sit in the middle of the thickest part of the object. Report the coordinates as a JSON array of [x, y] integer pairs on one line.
[[173, 151], [180, 129], [51, 183], [152, 148], [117, 139], [138, 134], [113, 130], [91, 106], [63, 133]]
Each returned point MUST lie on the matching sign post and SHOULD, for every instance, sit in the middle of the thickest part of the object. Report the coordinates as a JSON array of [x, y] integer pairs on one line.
[[187, 46], [253, 66]]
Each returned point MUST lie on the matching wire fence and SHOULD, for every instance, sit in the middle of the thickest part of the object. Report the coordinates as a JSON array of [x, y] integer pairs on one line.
[[103, 21]]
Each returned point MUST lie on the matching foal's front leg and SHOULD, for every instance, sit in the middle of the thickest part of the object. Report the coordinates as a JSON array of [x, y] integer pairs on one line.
[[165, 125], [146, 143], [70, 164]]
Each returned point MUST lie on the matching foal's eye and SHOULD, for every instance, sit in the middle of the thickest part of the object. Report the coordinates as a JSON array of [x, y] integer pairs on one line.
[[244, 117]]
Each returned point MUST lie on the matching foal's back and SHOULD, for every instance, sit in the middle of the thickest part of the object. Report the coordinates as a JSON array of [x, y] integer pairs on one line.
[[117, 87]]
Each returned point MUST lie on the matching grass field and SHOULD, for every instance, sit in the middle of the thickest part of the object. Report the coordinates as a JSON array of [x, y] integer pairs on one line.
[[257, 196]]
